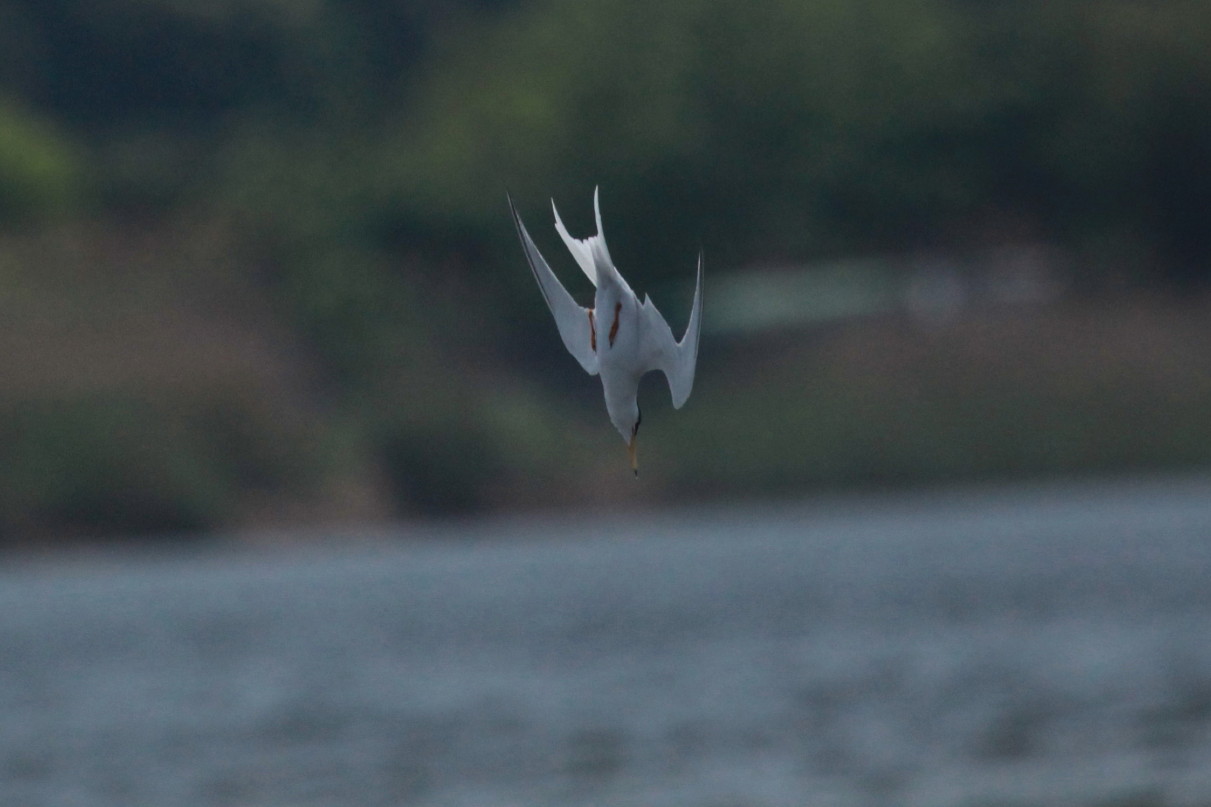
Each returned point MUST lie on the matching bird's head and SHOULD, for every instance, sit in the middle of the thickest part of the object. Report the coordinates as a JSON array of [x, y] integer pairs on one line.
[[625, 415]]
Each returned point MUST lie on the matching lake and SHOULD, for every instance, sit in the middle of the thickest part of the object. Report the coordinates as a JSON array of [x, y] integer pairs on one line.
[[1028, 645]]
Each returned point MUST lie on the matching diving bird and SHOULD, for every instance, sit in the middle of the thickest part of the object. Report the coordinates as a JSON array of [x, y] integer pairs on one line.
[[619, 338]]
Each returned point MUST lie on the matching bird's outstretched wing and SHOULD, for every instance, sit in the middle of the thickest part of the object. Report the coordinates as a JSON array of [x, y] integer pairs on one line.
[[661, 351], [573, 320], [586, 251]]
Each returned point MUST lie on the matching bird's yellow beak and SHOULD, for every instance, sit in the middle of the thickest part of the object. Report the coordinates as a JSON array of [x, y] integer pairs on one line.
[[631, 448]]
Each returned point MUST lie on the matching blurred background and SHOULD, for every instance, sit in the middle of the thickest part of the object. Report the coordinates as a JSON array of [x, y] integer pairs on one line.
[[932, 529], [257, 268]]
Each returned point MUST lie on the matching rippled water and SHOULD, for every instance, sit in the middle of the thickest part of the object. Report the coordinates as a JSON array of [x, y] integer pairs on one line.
[[1038, 646]]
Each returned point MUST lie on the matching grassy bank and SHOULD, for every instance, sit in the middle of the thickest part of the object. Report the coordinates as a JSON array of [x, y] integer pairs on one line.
[[156, 382]]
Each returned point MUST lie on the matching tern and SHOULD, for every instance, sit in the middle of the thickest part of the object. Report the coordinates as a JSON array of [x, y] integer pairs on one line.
[[619, 338]]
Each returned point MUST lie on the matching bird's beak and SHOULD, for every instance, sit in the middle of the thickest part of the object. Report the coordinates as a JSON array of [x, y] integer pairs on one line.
[[631, 447]]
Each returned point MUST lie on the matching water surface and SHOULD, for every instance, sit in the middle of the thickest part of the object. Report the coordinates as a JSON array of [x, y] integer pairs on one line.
[[1026, 646]]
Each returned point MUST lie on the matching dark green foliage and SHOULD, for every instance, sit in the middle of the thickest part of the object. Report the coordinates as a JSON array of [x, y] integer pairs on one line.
[[106, 466], [784, 130], [442, 468], [796, 129], [95, 465], [358, 152], [39, 168]]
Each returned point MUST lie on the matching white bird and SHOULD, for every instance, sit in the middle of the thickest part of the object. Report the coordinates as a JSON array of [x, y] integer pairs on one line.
[[619, 338]]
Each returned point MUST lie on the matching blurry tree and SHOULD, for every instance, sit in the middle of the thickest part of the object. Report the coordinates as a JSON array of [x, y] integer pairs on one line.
[[1147, 115], [358, 153], [783, 129], [796, 129], [39, 167]]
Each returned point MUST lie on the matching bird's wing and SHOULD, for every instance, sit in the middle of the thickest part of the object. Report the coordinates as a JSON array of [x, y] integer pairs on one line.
[[660, 351], [586, 251], [572, 319]]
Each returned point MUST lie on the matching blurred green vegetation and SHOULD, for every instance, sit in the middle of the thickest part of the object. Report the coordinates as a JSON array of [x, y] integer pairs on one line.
[[40, 175], [256, 266]]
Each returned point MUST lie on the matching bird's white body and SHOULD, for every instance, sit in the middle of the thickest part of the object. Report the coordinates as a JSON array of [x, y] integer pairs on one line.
[[620, 338], [619, 362]]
